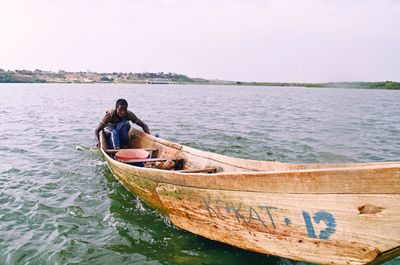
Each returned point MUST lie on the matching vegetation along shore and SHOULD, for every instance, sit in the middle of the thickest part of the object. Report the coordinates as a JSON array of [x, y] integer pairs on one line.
[[40, 76]]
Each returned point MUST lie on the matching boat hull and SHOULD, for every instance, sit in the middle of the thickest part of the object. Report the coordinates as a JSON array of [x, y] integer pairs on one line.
[[302, 219]]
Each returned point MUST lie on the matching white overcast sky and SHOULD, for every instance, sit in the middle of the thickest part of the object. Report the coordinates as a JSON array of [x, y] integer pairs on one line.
[[248, 40]]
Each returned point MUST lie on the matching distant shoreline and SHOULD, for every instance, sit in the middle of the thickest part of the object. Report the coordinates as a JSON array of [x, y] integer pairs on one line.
[[88, 77]]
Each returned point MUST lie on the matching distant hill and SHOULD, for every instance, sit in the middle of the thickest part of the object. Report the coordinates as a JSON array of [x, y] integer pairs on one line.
[[39, 76]]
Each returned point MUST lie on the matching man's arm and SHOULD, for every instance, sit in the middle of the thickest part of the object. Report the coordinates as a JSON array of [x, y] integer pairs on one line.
[[97, 131], [143, 125]]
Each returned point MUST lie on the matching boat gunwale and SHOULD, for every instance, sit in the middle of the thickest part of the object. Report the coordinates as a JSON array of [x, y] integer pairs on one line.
[[361, 166]]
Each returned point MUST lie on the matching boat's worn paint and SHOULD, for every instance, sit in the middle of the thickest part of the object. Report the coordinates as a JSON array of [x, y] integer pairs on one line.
[[322, 213]]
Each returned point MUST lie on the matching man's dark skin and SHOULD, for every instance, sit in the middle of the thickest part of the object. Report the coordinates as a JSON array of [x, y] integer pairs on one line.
[[121, 111]]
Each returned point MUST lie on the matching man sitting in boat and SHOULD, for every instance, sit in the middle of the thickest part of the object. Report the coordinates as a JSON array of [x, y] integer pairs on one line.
[[115, 125]]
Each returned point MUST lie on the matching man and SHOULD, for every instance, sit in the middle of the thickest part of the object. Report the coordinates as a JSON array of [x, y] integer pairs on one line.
[[115, 125]]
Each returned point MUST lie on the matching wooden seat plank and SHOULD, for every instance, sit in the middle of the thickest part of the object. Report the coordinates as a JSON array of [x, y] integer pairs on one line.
[[159, 159], [202, 170]]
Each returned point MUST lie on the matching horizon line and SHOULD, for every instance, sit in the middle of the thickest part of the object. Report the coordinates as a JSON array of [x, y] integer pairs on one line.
[[214, 79]]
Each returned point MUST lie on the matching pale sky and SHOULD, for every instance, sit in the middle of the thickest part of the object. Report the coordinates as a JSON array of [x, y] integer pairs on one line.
[[242, 40]]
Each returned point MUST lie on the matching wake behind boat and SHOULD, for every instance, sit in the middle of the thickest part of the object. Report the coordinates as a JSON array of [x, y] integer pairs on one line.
[[343, 213]]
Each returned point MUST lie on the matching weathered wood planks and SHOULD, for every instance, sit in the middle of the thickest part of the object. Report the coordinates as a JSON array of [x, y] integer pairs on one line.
[[322, 213]]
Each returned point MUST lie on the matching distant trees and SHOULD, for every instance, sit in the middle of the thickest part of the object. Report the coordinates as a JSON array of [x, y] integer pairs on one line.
[[392, 85], [25, 72], [11, 78], [161, 75], [6, 78]]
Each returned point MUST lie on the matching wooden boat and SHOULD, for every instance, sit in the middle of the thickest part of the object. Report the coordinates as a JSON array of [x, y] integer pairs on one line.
[[346, 213]]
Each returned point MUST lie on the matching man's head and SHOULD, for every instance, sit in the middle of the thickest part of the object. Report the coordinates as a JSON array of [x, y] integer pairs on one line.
[[121, 106]]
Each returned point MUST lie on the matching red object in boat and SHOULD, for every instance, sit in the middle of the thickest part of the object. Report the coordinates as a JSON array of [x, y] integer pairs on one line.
[[130, 154]]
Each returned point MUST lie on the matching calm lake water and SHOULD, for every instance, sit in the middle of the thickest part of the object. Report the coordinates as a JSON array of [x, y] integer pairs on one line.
[[60, 205]]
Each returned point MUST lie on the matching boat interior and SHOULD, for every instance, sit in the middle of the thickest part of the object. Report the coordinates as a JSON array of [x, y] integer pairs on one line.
[[148, 151]]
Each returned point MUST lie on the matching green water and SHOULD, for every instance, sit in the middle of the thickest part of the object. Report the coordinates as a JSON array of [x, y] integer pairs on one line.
[[60, 205]]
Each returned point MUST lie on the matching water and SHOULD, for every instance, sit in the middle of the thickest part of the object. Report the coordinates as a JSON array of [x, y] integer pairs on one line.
[[60, 205]]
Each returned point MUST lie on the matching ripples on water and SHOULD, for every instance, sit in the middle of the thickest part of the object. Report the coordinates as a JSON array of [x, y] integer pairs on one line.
[[60, 205]]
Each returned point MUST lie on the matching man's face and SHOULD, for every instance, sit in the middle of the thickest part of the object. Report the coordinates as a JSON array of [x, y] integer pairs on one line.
[[122, 110]]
